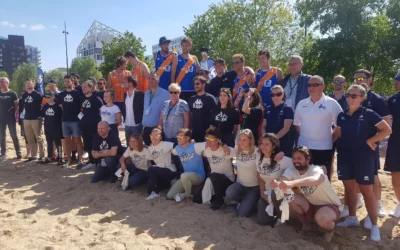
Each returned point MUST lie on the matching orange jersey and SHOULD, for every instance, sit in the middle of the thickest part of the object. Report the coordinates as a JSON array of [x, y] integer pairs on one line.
[[118, 84], [142, 81]]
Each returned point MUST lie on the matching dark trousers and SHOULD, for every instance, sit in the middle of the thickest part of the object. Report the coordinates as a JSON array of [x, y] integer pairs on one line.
[[159, 175], [13, 133], [246, 196], [263, 217], [87, 135], [146, 135], [108, 171], [54, 139], [220, 184], [137, 176]]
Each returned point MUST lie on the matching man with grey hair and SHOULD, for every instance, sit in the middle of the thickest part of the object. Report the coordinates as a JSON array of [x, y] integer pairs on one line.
[[8, 111], [313, 118]]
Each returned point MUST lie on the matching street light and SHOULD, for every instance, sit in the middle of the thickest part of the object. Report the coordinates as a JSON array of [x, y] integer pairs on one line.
[[65, 32]]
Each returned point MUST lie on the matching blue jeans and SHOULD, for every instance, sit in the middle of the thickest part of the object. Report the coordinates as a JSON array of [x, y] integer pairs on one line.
[[132, 130], [71, 129], [246, 196], [102, 173], [137, 176]]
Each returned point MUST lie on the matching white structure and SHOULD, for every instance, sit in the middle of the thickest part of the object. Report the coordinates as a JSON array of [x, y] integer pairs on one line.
[[175, 45], [91, 45], [33, 55]]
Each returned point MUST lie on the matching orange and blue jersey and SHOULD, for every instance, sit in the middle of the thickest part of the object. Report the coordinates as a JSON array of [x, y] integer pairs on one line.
[[165, 78], [187, 81], [266, 86], [238, 89]]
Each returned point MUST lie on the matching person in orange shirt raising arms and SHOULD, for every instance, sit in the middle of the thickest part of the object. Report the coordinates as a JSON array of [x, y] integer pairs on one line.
[[140, 71]]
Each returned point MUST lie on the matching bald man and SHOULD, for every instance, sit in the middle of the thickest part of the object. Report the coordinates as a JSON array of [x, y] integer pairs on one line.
[[105, 151]]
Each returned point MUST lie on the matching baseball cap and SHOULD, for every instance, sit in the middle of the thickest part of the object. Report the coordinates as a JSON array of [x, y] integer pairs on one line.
[[205, 50], [48, 94], [219, 60], [163, 39]]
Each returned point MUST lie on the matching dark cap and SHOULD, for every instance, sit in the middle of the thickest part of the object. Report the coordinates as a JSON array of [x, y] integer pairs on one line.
[[130, 54], [207, 50], [219, 60], [52, 81], [163, 39], [48, 94]]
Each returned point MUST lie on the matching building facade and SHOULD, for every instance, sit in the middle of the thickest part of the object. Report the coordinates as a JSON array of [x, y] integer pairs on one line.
[[91, 45], [33, 55], [12, 53], [175, 45]]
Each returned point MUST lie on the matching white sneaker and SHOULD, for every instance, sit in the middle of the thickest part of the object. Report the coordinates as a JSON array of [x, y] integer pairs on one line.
[[88, 166], [367, 223], [178, 197], [381, 210], [85, 155], [153, 195], [278, 223], [395, 212], [351, 221], [345, 212], [375, 234]]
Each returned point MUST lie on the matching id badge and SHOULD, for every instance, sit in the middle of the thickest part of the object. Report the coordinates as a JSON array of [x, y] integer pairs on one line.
[[123, 85], [103, 162], [147, 111], [80, 115]]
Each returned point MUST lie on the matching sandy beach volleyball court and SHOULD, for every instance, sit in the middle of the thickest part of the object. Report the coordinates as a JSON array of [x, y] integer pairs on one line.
[[47, 207]]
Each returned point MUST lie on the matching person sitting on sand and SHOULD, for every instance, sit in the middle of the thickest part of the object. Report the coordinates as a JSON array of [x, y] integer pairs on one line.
[[192, 162], [138, 164], [317, 200]]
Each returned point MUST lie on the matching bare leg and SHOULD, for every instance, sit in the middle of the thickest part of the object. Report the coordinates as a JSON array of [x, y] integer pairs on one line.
[[299, 206], [79, 146], [370, 202], [68, 145], [326, 218], [350, 194], [377, 188], [396, 184]]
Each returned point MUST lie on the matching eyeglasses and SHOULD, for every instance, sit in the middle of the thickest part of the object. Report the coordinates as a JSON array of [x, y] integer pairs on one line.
[[211, 139], [277, 94], [293, 64], [338, 81], [174, 92], [360, 79], [353, 96], [154, 136], [397, 78], [197, 83], [239, 62], [314, 85]]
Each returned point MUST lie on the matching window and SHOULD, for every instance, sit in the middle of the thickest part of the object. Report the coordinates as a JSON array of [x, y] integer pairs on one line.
[[18, 58], [99, 57], [13, 64], [22, 53], [13, 53], [13, 58]]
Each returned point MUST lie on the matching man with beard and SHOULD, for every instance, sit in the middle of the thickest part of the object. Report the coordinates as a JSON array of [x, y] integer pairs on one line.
[[101, 84], [163, 62], [317, 200], [75, 79], [339, 83]]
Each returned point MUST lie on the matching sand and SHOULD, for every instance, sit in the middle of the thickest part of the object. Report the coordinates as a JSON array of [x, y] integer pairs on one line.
[[48, 207]]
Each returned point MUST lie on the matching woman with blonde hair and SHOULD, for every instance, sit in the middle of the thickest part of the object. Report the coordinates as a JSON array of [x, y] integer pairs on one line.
[[110, 112]]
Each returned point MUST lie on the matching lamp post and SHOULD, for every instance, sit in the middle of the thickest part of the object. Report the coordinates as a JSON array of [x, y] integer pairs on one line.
[[65, 32]]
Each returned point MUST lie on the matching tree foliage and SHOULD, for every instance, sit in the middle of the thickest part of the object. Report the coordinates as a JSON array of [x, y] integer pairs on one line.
[[3, 74], [85, 67], [118, 47], [240, 26], [21, 74], [57, 75]]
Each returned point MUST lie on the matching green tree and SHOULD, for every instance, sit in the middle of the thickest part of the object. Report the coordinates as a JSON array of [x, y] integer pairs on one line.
[[85, 67], [118, 47], [240, 26], [23, 72], [3, 74], [57, 75]]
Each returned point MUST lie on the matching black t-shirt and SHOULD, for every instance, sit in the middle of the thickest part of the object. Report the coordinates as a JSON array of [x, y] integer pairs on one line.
[[91, 110], [225, 81], [99, 143], [252, 121], [79, 89], [52, 118], [7, 105], [224, 119], [32, 105], [201, 107], [101, 95], [71, 104]]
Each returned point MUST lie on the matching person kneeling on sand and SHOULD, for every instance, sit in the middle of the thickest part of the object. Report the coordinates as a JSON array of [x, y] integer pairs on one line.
[[317, 200]]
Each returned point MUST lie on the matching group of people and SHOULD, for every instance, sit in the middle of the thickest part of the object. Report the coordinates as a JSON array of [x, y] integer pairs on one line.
[[212, 136]]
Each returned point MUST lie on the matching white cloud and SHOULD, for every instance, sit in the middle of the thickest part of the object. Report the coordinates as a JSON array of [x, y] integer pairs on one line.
[[53, 26], [37, 27], [7, 24], [23, 25]]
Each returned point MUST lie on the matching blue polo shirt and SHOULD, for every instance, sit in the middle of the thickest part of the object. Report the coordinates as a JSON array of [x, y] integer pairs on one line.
[[152, 106], [376, 103], [357, 128], [191, 160], [276, 116], [342, 101]]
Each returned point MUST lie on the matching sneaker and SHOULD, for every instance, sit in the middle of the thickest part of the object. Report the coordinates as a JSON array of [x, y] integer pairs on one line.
[[381, 210], [66, 164], [26, 157], [60, 162], [395, 212], [177, 198], [3, 157], [153, 195], [88, 166], [278, 222], [350, 222], [85, 155], [80, 165], [367, 223], [44, 161], [375, 234], [19, 156], [345, 212]]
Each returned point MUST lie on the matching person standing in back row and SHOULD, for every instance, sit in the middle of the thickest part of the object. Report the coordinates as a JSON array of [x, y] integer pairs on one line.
[[134, 103], [8, 111], [140, 71], [163, 62]]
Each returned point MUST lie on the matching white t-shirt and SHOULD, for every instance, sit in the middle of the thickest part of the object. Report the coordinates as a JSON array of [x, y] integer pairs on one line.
[[269, 174], [139, 159], [129, 118], [322, 194], [246, 169], [108, 114], [161, 155], [219, 162], [315, 121]]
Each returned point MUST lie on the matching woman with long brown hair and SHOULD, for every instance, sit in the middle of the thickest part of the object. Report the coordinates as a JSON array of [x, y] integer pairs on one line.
[[253, 112]]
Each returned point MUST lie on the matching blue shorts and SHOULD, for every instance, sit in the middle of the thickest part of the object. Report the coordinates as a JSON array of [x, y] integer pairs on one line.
[[356, 165], [71, 129]]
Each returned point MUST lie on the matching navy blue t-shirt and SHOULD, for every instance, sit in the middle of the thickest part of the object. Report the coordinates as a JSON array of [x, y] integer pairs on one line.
[[276, 116], [71, 104], [32, 105], [225, 81], [357, 129], [101, 95], [252, 121], [224, 119], [91, 110], [376, 103], [52, 118], [201, 107], [342, 101]]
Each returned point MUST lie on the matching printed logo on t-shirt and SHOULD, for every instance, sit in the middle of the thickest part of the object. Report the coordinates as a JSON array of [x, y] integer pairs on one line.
[[267, 170], [105, 112], [68, 98], [50, 112], [137, 158], [186, 157], [155, 154], [221, 117], [86, 104], [215, 159], [104, 145], [307, 191], [267, 83], [245, 157], [29, 99], [198, 104], [167, 68]]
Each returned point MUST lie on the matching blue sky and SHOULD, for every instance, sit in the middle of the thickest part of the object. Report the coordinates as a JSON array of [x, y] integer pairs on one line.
[[42, 22]]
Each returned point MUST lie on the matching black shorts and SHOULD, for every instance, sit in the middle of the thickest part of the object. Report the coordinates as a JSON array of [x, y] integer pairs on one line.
[[356, 165], [322, 157]]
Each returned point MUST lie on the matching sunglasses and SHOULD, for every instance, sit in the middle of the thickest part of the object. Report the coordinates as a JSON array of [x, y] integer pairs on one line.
[[174, 92], [154, 136], [353, 96], [277, 94], [236, 62], [359, 79], [211, 139], [180, 136], [338, 81], [397, 78], [197, 83], [314, 85]]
